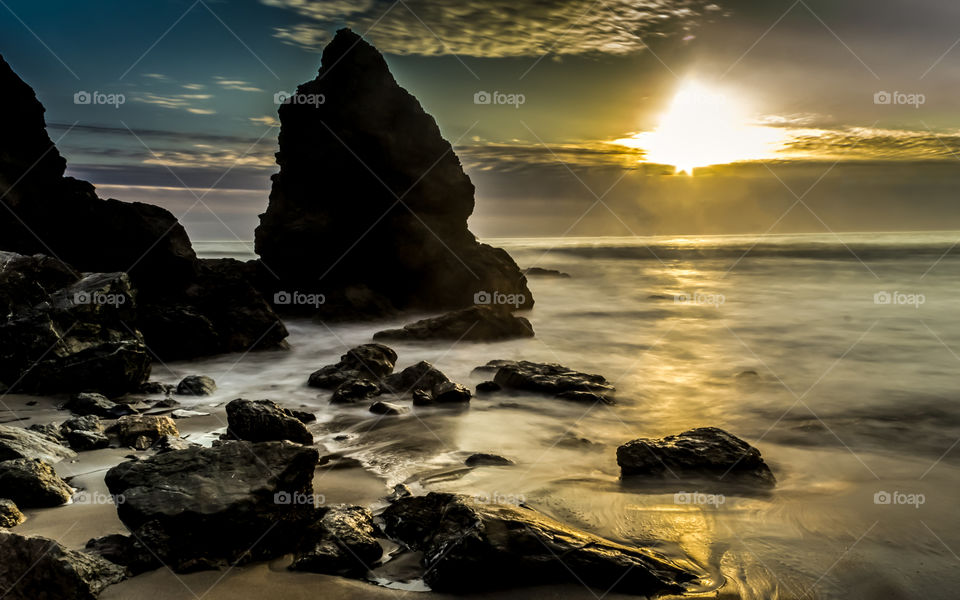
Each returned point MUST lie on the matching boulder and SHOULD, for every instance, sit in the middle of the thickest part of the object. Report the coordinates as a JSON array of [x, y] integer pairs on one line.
[[486, 387], [37, 568], [263, 421], [706, 452], [369, 361], [343, 542], [196, 385], [554, 380], [470, 546], [20, 443], [10, 515], [422, 376], [483, 459], [32, 483], [155, 387], [151, 427], [388, 408], [236, 500], [89, 403], [369, 194], [84, 433], [77, 339], [451, 393], [125, 551], [476, 323], [354, 390]]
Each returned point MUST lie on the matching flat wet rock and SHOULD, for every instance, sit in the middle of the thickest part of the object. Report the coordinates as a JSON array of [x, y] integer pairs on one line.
[[343, 542], [20, 443], [470, 546], [551, 379], [706, 452], [476, 323]]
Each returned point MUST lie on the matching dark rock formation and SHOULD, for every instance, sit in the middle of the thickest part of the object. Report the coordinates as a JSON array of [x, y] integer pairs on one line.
[[264, 421], [421, 376], [188, 307], [236, 500], [475, 324], [32, 483], [552, 379], [388, 408], [483, 459], [125, 551], [196, 385], [171, 443], [369, 361], [89, 403], [343, 542], [486, 387], [76, 338], [354, 390], [20, 443], [84, 433], [37, 568], [334, 218], [128, 430], [470, 546], [705, 452], [451, 393], [10, 515], [540, 272]]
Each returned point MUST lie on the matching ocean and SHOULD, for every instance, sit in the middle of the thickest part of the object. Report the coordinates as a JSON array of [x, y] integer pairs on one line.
[[838, 356]]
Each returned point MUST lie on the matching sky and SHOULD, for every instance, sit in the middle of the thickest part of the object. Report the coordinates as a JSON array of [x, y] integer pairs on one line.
[[607, 117]]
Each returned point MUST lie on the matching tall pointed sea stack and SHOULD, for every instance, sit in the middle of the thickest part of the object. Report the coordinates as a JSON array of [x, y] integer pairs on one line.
[[371, 195]]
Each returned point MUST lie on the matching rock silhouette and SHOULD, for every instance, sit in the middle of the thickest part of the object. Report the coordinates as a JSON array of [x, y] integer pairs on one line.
[[371, 196]]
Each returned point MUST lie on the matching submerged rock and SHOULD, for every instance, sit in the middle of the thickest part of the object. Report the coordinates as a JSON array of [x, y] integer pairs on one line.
[[354, 390], [552, 379], [343, 542], [264, 421], [37, 568], [10, 515], [706, 452], [486, 387], [128, 430], [236, 500], [483, 459], [334, 219], [470, 546], [451, 393], [388, 408], [476, 323], [32, 483], [540, 272], [196, 385], [20, 443], [369, 361]]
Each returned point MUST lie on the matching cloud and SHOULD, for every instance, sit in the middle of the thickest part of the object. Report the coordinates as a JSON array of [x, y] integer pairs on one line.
[[177, 102], [236, 84], [268, 120], [496, 28]]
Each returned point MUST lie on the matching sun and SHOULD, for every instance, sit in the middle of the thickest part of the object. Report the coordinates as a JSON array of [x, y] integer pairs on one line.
[[705, 126]]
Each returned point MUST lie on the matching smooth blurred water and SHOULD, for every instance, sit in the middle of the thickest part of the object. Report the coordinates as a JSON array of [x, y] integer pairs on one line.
[[851, 397]]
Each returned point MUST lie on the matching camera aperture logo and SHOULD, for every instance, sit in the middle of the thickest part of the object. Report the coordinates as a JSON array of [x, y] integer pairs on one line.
[[899, 498], [299, 499], [98, 98], [99, 299], [699, 298], [896, 298], [488, 298], [298, 299], [899, 98], [85, 497], [495, 97], [699, 498], [287, 98], [500, 498]]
